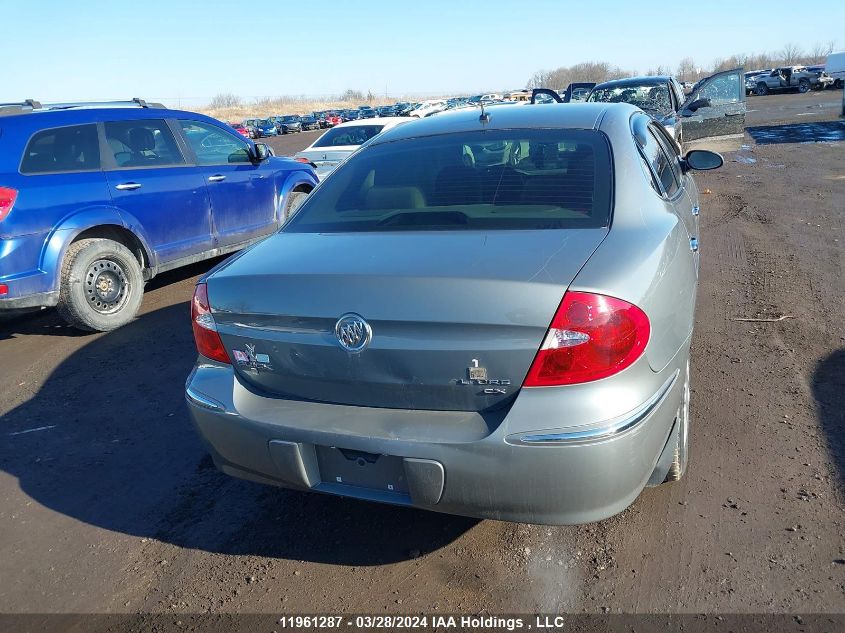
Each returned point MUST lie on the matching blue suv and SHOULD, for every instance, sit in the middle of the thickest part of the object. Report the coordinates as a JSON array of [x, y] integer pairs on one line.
[[96, 199]]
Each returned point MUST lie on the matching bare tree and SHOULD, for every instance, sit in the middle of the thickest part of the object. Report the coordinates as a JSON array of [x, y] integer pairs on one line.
[[224, 100], [818, 54], [687, 70], [790, 54]]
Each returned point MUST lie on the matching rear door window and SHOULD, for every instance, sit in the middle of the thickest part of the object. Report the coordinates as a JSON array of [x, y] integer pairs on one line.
[[63, 149], [478, 180], [659, 162], [142, 143]]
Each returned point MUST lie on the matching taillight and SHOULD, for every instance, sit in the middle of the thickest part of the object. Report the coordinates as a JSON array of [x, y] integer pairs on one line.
[[4, 289], [205, 329], [301, 159], [591, 337], [7, 200]]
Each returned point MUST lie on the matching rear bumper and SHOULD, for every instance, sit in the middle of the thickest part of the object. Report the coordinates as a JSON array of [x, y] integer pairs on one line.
[[35, 300], [454, 462]]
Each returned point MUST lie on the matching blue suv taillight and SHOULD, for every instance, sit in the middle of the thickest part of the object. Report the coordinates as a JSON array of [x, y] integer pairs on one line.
[[7, 200]]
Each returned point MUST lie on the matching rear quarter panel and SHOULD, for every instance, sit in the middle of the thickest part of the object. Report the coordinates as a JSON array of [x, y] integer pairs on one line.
[[645, 258]]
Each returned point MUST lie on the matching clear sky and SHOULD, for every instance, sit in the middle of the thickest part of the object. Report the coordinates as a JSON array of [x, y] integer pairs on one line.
[[186, 51]]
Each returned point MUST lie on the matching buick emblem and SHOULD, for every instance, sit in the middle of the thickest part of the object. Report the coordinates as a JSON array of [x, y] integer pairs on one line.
[[353, 333]]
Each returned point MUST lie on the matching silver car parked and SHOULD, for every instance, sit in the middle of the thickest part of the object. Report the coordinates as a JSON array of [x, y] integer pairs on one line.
[[486, 314]]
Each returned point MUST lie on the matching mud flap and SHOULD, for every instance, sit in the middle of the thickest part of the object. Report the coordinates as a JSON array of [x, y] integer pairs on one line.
[[664, 462]]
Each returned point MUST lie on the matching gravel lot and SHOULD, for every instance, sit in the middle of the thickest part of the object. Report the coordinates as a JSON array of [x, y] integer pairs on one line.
[[108, 503]]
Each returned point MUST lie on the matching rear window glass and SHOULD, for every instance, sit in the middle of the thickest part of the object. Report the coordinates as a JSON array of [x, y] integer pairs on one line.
[[142, 143], [351, 135], [72, 148], [480, 180]]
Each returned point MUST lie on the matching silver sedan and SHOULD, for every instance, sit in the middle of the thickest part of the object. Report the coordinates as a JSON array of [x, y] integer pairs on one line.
[[480, 313]]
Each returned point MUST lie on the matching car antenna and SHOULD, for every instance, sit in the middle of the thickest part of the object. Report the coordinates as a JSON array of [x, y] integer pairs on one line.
[[484, 118]]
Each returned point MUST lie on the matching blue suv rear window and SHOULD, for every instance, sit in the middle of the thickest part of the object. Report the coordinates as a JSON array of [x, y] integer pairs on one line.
[[62, 149]]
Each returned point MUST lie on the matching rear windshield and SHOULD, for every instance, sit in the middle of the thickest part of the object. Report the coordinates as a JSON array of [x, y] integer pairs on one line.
[[649, 97], [480, 180], [352, 135]]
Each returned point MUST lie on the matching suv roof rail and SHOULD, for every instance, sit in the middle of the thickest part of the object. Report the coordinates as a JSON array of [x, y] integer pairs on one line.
[[31, 105], [17, 107]]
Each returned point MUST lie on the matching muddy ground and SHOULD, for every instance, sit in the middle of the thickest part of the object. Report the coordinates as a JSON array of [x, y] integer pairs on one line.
[[109, 504]]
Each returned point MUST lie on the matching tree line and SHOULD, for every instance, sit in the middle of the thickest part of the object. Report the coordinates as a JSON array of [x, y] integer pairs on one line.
[[686, 70]]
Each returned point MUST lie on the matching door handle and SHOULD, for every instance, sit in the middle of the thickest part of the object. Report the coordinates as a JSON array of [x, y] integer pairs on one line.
[[216, 178], [128, 186]]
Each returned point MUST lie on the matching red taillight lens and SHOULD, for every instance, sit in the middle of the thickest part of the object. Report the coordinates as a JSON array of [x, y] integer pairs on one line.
[[4, 289], [7, 200], [301, 159], [591, 337], [205, 329]]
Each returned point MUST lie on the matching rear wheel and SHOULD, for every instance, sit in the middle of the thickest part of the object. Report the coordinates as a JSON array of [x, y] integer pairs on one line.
[[101, 285], [679, 463], [762, 89], [803, 86]]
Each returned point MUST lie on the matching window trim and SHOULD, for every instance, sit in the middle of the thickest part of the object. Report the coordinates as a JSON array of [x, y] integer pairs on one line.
[[109, 163], [63, 171], [663, 141]]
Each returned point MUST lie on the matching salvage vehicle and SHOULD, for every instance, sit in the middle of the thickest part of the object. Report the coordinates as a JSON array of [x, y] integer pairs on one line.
[[289, 124], [240, 129], [427, 108], [309, 122], [578, 91], [834, 66], [506, 341], [333, 147], [96, 199], [251, 126], [266, 127], [791, 78], [717, 102], [751, 80]]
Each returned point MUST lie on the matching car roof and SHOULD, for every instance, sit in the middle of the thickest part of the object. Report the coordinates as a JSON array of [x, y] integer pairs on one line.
[[56, 117], [553, 115], [378, 120], [634, 81]]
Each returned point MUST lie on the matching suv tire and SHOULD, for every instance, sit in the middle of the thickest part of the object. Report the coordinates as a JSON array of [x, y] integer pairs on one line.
[[101, 285], [762, 89], [295, 199], [803, 86]]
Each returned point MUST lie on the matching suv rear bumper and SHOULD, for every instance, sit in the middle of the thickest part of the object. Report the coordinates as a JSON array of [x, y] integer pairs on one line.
[[35, 300]]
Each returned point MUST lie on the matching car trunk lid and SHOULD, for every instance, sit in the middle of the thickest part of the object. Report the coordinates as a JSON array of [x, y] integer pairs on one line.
[[456, 316]]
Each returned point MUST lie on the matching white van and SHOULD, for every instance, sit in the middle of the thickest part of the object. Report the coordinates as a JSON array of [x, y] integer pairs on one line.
[[835, 67]]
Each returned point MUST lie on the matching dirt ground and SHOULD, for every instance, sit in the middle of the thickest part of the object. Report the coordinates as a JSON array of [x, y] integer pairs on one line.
[[108, 503]]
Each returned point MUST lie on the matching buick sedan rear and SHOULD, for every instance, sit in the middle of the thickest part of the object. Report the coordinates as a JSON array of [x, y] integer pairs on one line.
[[480, 315]]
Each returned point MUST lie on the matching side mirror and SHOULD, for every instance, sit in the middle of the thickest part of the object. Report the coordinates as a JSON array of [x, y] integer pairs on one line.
[[698, 104], [260, 152], [702, 160]]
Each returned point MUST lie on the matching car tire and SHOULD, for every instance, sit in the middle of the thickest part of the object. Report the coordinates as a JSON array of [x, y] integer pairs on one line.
[[762, 89], [292, 204], [101, 285], [681, 457], [838, 84], [803, 86]]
